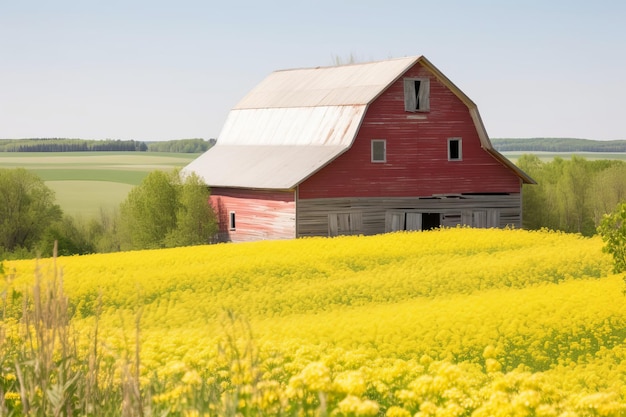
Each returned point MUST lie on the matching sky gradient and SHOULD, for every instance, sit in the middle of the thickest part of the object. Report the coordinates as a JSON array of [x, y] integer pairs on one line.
[[159, 70]]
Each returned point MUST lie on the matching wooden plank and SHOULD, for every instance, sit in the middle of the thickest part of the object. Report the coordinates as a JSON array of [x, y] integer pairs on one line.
[[260, 214], [377, 213]]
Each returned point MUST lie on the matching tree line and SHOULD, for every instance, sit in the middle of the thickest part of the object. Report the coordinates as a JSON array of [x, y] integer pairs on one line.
[[571, 195], [165, 210], [70, 145], [109, 145], [182, 145], [558, 145]]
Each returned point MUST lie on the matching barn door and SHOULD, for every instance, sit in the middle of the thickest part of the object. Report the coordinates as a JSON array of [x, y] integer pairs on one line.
[[413, 221], [345, 223], [394, 221], [481, 218], [493, 218], [402, 220]]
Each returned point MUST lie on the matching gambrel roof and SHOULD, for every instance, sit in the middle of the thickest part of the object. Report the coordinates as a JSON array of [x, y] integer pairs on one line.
[[297, 121]]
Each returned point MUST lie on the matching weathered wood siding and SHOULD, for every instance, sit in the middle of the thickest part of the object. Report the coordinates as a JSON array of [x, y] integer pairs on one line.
[[259, 214], [317, 217], [417, 152]]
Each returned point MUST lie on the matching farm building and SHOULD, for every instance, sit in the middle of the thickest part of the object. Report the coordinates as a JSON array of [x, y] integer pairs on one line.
[[357, 149]]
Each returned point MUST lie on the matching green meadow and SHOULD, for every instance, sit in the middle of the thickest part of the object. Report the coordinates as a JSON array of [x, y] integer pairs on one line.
[[86, 182]]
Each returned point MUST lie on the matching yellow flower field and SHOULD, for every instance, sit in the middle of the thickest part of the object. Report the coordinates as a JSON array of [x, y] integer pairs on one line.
[[459, 322]]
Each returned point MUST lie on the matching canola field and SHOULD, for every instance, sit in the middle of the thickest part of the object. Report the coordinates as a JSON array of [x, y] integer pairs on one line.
[[453, 322]]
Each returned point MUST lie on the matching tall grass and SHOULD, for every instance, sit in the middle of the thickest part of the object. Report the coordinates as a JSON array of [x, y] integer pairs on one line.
[[46, 370]]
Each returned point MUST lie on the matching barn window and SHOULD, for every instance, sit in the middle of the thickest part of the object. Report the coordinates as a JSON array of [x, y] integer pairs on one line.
[[379, 150], [454, 149], [416, 94], [231, 220]]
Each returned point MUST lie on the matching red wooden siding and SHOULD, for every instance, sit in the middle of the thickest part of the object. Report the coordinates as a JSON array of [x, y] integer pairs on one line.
[[417, 152], [259, 214]]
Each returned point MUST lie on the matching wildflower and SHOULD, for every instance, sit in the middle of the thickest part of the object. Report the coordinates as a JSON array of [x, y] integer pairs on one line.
[[352, 405]]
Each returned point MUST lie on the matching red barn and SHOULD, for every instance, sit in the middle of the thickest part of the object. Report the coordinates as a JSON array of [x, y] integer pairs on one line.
[[357, 149]]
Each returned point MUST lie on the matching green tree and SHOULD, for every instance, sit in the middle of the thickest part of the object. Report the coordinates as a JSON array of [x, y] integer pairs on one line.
[[71, 236], [195, 219], [571, 195], [27, 209], [149, 212], [575, 186], [165, 211], [608, 190], [613, 232], [533, 196]]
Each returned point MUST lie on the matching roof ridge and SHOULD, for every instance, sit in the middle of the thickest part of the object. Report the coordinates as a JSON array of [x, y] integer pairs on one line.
[[322, 67]]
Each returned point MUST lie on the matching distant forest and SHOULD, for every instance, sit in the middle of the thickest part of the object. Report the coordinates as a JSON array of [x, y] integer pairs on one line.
[[107, 145], [181, 145], [558, 145]]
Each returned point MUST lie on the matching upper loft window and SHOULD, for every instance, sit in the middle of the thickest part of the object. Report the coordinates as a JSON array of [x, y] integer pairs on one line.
[[455, 151], [379, 150], [416, 94]]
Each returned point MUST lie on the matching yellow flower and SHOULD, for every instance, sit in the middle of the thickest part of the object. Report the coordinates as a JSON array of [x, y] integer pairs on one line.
[[395, 411], [352, 405]]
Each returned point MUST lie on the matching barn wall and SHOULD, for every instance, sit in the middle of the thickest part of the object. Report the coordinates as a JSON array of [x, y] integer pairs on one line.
[[372, 214], [259, 214], [417, 152]]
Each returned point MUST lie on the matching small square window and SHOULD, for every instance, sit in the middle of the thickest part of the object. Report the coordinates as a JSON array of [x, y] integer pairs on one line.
[[231, 220], [379, 150], [455, 151], [416, 94]]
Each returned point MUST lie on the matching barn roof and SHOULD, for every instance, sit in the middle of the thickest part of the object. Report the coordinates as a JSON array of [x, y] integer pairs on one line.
[[345, 85], [297, 121]]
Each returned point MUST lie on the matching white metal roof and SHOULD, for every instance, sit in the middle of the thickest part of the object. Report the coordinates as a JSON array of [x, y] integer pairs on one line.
[[293, 123], [263, 167], [327, 125], [277, 148], [326, 86]]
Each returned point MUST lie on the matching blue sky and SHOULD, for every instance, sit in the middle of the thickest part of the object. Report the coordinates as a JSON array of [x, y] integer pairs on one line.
[[158, 70]]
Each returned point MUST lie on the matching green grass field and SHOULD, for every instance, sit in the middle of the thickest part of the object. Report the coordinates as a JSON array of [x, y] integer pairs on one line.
[[85, 182]]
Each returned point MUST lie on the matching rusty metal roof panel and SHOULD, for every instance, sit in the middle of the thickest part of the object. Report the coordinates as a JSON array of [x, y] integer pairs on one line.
[[262, 167], [326, 86]]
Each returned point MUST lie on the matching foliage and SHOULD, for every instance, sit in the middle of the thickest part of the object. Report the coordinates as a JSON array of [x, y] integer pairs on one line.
[[195, 220], [613, 232], [463, 322], [164, 211], [182, 146], [27, 209], [43, 369], [571, 195], [149, 212], [69, 236], [69, 145]]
